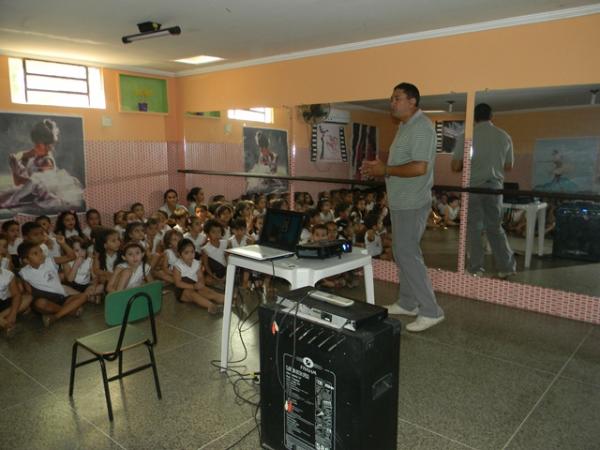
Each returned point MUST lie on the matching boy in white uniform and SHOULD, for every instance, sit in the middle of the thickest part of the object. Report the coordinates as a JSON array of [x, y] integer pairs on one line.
[[40, 274]]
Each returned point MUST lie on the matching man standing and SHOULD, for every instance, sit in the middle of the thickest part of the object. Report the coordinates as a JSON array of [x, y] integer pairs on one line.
[[492, 155], [409, 178]]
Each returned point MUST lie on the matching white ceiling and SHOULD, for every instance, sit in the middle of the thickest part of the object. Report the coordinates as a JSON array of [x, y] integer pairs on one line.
[[239, 30]]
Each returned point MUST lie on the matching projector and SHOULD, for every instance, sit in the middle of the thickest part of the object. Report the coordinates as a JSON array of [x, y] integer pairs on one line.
[[323, 249]]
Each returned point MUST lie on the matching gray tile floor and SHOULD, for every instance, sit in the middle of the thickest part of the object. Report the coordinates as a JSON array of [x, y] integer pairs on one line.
[[487, 378]]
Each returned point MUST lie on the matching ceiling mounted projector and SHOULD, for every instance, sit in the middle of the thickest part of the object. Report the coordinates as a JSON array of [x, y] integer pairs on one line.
[[150, 30]]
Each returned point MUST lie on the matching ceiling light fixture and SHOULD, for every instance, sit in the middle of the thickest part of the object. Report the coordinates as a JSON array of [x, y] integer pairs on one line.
[[450, 105], [201, 59], [150, 30], [594, 93]]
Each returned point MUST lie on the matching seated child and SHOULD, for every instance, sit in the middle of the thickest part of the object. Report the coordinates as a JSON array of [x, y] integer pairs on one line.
[[61, 253], [93, 220], [12, 229], [5, 259], [12, 302], [132, 270], [50, 297], [180, 217], [78, 273], [196, 235], [213, 253], [319, 233], [106, 250], [164, 269], [189, 280], [138, 209], [373, 243]]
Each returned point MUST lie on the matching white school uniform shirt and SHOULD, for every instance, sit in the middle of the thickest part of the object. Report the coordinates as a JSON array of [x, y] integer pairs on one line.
[[71, 233], [51, 252], [156, 242], [84, 272], [235, 244], [87, 231], [198, 242], [186, 271], [6, 276], [327, 217], [227, 233], [216, 253], [171, 258], [4, 263], [44, 278], [120, 230], [110, 262], [374, 247], [180, 229], [12, 248], [137, 277], [305, 235]]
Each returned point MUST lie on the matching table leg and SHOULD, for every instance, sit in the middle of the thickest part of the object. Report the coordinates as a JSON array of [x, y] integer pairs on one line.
[[541, 220], [531, 215], [369, 288], [229, 284]]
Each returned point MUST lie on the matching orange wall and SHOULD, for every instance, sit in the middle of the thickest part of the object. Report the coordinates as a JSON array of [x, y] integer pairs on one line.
[[544, 54], [127, 126], [526, 127]]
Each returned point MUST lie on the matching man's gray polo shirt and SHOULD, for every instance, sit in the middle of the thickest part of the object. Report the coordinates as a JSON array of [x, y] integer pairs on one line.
[[414, 141], [492, 150]]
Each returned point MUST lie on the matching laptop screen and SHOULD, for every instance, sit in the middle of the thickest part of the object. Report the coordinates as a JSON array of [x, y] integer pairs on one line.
[[281, 229]]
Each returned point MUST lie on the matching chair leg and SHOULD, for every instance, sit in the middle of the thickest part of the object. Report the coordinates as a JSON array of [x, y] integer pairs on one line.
[[120, 364], [106, 389], [73, 364], [153, 361]]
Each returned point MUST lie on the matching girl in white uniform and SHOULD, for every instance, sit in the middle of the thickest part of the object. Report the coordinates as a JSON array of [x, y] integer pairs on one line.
[[189, 280], [164, 269], [134, 271]]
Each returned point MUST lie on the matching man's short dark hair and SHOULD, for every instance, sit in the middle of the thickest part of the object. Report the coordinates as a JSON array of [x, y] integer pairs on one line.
[[410, 90], [483, 112]]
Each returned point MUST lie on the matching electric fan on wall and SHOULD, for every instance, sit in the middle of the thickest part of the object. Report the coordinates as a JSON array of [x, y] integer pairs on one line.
[[315, 113]]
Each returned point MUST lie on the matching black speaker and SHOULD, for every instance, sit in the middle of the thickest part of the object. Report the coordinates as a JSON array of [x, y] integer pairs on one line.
[[577, 230], [324, 388]]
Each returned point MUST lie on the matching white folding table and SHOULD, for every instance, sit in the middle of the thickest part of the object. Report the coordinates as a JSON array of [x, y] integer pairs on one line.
[[299, 272], [533, 211]]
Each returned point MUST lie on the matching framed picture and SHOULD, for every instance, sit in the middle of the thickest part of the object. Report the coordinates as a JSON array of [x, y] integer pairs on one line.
[[265, 152], [447, 133], [143, 94], [42, 164]]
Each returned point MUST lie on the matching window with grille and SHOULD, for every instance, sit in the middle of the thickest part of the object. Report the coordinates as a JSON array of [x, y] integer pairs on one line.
[[38, 82], [264, 115]]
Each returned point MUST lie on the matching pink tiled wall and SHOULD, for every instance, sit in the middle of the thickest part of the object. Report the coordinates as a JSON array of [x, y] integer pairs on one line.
[[119, 173]]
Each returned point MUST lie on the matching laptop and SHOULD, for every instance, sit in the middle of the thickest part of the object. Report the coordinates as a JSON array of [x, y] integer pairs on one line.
[[278, 238]]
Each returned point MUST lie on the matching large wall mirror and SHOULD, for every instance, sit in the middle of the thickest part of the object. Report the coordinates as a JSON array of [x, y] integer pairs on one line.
[[555, 133], [368, 132]]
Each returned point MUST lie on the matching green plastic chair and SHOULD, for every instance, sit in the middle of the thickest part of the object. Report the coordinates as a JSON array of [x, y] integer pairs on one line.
[[120, 309]]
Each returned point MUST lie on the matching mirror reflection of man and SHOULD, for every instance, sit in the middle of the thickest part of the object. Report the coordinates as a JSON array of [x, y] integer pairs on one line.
[[409, 179], [491, 156]]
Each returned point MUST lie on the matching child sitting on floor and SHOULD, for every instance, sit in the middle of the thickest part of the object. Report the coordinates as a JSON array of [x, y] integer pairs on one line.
[[12, 302], [50, 297], [213, 253], [189, 280], [132, 269]]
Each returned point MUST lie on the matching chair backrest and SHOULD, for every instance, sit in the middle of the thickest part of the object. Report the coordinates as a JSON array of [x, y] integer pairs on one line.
[[115, 303]]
